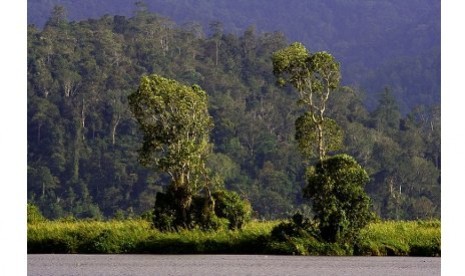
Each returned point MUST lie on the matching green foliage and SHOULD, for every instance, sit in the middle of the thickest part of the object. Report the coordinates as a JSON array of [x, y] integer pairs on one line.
[[83, 236], [230, 205], [314, 76], [309, 73], [33, 214], [291, 65], [82, 136], [401, 238], [165, 213], [137, 236], [326, 71], [306, 131], [335, 184], [387, 114], [341, 206], [223, 208], [421, 238], [298, 226], [175, 122], [169, 216]]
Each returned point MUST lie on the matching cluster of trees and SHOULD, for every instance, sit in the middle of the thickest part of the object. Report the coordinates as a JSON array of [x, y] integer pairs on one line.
[[83, 139]]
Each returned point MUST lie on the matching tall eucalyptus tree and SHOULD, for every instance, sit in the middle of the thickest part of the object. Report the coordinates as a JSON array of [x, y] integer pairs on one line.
[[314, 76], [176, 125]]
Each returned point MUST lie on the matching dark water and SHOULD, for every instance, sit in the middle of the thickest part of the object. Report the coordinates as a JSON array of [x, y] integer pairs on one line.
[[228, 265]]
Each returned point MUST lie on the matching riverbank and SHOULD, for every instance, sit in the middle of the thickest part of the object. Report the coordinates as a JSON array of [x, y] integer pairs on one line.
[[389, 238]]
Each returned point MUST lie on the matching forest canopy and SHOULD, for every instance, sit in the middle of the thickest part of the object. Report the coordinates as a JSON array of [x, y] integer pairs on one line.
[[392, 43]]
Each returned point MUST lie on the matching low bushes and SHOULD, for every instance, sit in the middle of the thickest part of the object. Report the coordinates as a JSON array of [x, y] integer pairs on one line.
[[220, 209]]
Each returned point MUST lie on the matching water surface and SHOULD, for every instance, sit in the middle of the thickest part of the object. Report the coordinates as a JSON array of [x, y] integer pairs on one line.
[[228, 265]]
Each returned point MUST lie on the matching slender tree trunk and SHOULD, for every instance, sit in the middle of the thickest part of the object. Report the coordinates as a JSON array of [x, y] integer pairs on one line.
[[321, 148], [38, 132], [83, 119], [217, 46], [77, 149], [113, 130]]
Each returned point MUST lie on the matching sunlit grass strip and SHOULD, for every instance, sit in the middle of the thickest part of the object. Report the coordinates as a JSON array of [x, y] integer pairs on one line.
[[86, 236], [413, 238], [137, 236], [401, 238]]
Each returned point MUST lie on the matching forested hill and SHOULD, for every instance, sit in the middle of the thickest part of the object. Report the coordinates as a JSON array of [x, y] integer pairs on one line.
[[83, 140], [392, 43]]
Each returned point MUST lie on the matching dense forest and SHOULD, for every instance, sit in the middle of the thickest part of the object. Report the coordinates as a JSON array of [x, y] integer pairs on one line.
[[392, 43], [83, 141]]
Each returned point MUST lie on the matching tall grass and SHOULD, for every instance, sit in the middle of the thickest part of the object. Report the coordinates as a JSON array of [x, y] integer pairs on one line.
[[86, 236], [137, 236], [401, 238]]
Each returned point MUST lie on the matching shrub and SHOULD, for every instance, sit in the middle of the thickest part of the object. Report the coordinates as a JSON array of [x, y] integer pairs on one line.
[[223, 208], [297, 226], [164, 213], [231, 206], [341, 206]]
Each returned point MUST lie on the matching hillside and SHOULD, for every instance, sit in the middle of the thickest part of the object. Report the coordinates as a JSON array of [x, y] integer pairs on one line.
[[380, 44], [83, 140]]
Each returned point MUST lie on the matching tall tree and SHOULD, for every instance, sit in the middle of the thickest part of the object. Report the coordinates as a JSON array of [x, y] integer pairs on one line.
[[387, 115], [175, 123], [314, 76]]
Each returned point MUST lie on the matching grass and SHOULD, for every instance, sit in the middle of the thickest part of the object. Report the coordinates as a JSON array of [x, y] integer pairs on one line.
[[415, 238], [401, 238], [137, 236], [86, 236]]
